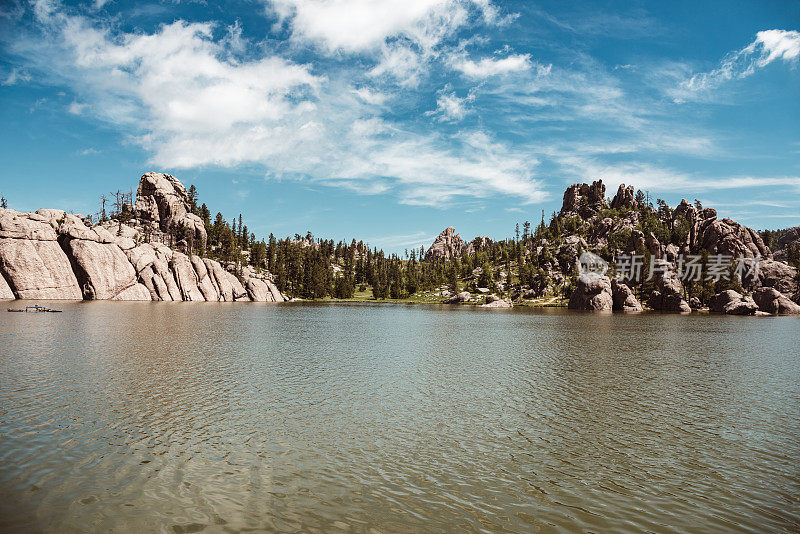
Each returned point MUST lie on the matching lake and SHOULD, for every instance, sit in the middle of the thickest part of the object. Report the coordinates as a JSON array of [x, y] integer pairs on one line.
[[189, 417]]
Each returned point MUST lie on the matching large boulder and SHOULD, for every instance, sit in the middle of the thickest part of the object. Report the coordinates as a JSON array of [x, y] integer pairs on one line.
[[733, 303], [499, 303], [447, 245], [718, 302], [32, 262], [460, 297], [744, 306], [593, 292], [778, 275], [261, 290], [623, 297], [668, 295], [584, 199], [772, 301], [102, 269], [163, 202]]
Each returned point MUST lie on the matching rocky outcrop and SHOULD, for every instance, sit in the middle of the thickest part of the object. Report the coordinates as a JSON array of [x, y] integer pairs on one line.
[[593, 292], [791, 236], [669, 295], [447, 245], [623, 297], [584, 199], [260, 287], [478, 244], [770, 300], [163, 202], [624, 199], [728, 237], [31, 260], [51, 254]]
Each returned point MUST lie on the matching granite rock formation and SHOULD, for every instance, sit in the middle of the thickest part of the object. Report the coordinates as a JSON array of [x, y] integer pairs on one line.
[[447, 245], [51, 254], [592, 292]]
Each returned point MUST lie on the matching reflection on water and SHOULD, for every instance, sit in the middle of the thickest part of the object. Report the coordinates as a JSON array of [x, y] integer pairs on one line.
[[180, 417]]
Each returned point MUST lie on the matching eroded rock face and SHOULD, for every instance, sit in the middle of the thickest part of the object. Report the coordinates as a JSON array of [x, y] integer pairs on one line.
[[135, 292], [593, 292], [51, 254], [31, 261], [205, 282], [186, 277], [102, 269], [772, 301], [162, 200], [623, 297], [728, 237], [669, 295], [447, 245], [5, 289], [584, 199]]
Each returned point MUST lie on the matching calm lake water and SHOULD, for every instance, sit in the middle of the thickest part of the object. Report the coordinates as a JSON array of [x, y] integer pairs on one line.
[[181, 417]]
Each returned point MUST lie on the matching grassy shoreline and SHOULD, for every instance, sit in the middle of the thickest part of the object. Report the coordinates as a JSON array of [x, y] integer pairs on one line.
[[366, 296]]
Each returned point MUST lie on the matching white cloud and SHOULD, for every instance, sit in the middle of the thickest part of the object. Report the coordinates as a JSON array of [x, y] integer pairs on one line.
[[76, 108], [768, 46], [402, 63], [491, 67], [365, 25], [370, 96], [450, 107], [183, 95], [15, 75]]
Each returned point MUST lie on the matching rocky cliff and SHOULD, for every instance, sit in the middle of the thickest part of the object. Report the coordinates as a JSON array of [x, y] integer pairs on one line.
[[51, 254]]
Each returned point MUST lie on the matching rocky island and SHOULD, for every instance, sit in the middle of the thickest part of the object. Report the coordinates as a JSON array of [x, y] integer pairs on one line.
[[159, 248]]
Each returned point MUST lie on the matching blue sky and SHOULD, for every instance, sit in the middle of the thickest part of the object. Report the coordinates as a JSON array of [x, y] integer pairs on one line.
[[388, 120]]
